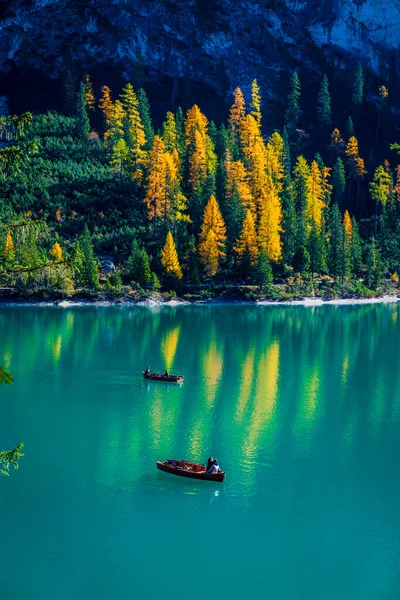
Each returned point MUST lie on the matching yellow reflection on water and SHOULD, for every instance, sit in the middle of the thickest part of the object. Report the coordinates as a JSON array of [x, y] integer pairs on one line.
[[7, 360], [246, 384], [212, 369], [264, 406], [56, 348], [345, 368], [169, 345]]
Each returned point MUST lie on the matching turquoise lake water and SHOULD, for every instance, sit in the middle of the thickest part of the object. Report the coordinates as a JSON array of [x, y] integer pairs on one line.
[[300, 405]]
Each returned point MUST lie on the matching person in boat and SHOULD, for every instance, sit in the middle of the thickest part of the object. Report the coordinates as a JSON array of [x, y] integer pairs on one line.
[[147, 371], [214, 468], [166, 374], [209, 462]]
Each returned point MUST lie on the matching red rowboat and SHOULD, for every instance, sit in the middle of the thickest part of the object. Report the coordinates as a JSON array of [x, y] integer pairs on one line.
[[160, 377], [183, 468]]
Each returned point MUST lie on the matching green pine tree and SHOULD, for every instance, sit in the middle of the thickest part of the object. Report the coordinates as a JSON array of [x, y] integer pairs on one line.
[[349, 128], [145, 117], [324, 113], [292, 111], [82, 117], [336, 235], [316, 250], [355, 249], [90, 272], [289, 222], [180, 136], [263, 276], [374, 265], [358, 85], [339, 180]]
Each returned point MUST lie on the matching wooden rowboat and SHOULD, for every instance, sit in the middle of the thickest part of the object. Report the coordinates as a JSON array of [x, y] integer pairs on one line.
[[184, 468], [160, 377]]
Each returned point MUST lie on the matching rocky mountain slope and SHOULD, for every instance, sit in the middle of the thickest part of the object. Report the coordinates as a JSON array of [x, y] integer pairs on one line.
[[221, 43]]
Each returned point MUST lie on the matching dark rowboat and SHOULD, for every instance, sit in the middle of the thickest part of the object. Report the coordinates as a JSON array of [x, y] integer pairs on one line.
[[184, 468], [160, 377]]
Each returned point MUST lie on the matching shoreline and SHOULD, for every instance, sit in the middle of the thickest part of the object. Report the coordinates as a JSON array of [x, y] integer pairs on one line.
[[154, 302]]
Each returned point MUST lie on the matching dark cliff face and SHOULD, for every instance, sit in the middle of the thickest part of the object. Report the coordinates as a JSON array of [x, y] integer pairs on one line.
[[218, 43]]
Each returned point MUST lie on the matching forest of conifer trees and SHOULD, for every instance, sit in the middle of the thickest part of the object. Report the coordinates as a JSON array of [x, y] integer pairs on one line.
[[192, 204]]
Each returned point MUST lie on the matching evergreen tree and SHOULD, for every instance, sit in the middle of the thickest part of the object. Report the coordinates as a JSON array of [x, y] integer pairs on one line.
[[83, 124], [301, 260], [263, 276], [131, 266], [89, 272], [358, 86], [300, 186], [335, 242], [145, 118], [374, 265], [324, 113], [170, 260], [349, 128], [289, 221], [356, 249], [292, 111], [316, 250], [144, 276], [180, 136], [339, 180]]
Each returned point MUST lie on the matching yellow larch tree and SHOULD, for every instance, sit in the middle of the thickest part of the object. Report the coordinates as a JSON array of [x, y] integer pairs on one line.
[[258, 174], [274, 156], [89, 94], [134, 131], [175, 203], [211, 248], [250, 138], [355, 163], [198, 160], [115, 125], [105, 103], [270, 220], [56, 251], [237, 112], [209, 254], [195, 121], [9, 248], [237, 182], [315, 195], [170, 259], [156, 190], [256, 103], [348, 227], [246, 246], [326, 186]]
